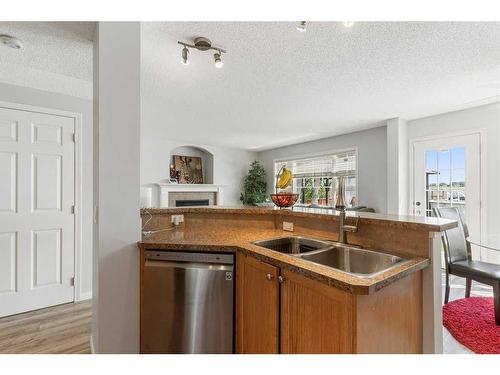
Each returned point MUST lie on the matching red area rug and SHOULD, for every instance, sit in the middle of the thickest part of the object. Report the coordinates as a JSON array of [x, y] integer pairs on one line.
[[471, 321]]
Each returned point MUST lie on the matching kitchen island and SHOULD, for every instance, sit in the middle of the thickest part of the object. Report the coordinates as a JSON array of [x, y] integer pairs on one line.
[[286, 304]]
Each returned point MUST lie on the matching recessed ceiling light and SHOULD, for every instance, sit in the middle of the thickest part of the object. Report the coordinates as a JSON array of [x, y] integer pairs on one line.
[[301, 26], [10, 41], [348, 23]]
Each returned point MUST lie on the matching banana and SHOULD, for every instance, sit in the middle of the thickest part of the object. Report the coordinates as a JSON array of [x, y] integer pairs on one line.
[[285, 179]]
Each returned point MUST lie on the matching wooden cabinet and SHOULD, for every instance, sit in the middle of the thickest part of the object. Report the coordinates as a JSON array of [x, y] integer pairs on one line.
[[280, 311], [257, 306], [315, 318], [393, 316]]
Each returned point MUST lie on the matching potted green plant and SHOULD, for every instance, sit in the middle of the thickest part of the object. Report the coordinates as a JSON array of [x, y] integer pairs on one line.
[[254, 185], [309, 191]]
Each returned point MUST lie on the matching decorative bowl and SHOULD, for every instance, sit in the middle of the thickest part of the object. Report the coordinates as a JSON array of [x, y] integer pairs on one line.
[[284, 199]]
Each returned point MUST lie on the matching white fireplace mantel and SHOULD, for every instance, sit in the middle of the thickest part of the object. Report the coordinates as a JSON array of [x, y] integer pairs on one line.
[[166, 188]]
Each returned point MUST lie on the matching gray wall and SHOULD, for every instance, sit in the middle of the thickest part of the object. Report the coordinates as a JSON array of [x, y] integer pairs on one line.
[[39, 98], [372, 162]]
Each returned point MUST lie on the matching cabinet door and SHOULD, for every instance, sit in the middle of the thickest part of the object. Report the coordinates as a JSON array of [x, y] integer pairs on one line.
[[315, 318], [257, 306]]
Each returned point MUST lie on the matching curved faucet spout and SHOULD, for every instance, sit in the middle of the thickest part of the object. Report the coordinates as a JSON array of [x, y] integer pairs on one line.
[[340, 202], [340, 206]]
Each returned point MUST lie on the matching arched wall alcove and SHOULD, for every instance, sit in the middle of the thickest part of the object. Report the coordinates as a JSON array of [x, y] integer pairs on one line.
[[207, 160]]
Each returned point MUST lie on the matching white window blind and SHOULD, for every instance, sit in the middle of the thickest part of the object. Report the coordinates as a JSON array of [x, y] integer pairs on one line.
[[333, 165], [315, 178]]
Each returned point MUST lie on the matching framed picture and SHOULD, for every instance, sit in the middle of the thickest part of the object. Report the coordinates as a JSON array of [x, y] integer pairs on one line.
[[188, 169]]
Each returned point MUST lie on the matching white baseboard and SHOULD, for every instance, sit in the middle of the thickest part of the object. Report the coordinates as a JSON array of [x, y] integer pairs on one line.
[[84, 296]]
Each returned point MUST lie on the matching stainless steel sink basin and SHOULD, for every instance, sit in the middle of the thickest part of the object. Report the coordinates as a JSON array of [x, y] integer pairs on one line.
[[293, 245], [345, 258], [355, 261]]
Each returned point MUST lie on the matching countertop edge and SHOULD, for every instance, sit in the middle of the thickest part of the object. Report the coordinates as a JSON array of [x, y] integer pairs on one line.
[[364, 287], [438, 224]]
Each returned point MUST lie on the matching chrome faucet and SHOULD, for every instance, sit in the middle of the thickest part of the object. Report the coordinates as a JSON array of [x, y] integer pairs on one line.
[[340, 206]]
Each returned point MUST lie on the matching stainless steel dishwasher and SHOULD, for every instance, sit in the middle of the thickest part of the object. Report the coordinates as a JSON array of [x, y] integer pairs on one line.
[[187, 302]]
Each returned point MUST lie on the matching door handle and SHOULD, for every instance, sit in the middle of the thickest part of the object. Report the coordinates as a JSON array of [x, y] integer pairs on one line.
[[269, 277], [281, 279]]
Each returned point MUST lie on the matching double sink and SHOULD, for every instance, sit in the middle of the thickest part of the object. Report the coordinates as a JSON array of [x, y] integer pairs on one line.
[[349, 259]]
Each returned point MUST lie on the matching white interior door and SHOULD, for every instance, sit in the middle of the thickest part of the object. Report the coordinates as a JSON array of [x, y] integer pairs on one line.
[[447, 172], [37, 194]]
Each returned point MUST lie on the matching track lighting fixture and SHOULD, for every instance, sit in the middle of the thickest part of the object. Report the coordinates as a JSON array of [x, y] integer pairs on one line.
[[185, 56], [202, 44], [218, 60], [301, 26]]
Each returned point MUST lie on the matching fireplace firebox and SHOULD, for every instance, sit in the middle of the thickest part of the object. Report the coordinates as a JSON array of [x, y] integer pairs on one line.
[[191, 202]]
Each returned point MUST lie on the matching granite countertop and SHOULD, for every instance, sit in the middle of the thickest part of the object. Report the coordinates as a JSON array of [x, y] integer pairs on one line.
[[431, 224], [229, 239]]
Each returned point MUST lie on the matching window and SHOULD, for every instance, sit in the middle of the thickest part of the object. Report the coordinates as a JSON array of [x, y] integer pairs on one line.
[[445, 179], [315, 178]]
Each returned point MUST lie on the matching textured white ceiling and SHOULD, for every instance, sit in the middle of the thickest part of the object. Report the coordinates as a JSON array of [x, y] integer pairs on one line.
[[56, 56], [279, 86]]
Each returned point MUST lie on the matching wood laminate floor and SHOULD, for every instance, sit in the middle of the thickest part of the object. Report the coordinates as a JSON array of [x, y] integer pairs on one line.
[[55, 330]]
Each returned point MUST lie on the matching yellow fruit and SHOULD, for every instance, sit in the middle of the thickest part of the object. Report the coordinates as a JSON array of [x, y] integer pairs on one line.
[[285, 179]]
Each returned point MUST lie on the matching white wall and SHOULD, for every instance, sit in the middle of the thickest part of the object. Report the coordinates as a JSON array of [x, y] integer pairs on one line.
[[38, 98], [229, 165], [372, 162], [115, 326], [486, 118]]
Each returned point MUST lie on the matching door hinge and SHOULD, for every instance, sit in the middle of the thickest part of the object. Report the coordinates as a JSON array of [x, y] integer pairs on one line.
[[72, 281], [73, 137], [73, 210]]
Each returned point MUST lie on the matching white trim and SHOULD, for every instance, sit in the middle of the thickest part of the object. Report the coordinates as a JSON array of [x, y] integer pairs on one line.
[[166, 188], [483, 188], [85, 296], [432, 312], [482, 160], [411, 187], [77, 117], [318, 154], [32, 108], [79, 294]]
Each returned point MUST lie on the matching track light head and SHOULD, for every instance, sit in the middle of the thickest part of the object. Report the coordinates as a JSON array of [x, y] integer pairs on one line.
[[348, 23], [301, 26], [218, 60], [185, 56]]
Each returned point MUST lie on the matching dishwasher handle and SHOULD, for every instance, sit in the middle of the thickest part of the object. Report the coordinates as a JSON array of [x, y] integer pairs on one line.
[[154, 263], [192, 257]]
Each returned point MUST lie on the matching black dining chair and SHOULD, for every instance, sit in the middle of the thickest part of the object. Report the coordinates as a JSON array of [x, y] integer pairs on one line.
[[458, 259]]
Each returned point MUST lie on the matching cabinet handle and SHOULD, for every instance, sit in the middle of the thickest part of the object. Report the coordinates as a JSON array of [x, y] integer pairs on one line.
[[281, 279], [269, 277]]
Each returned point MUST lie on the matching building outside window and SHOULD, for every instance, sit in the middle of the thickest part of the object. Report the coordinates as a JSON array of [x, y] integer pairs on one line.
[[315, 178]]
